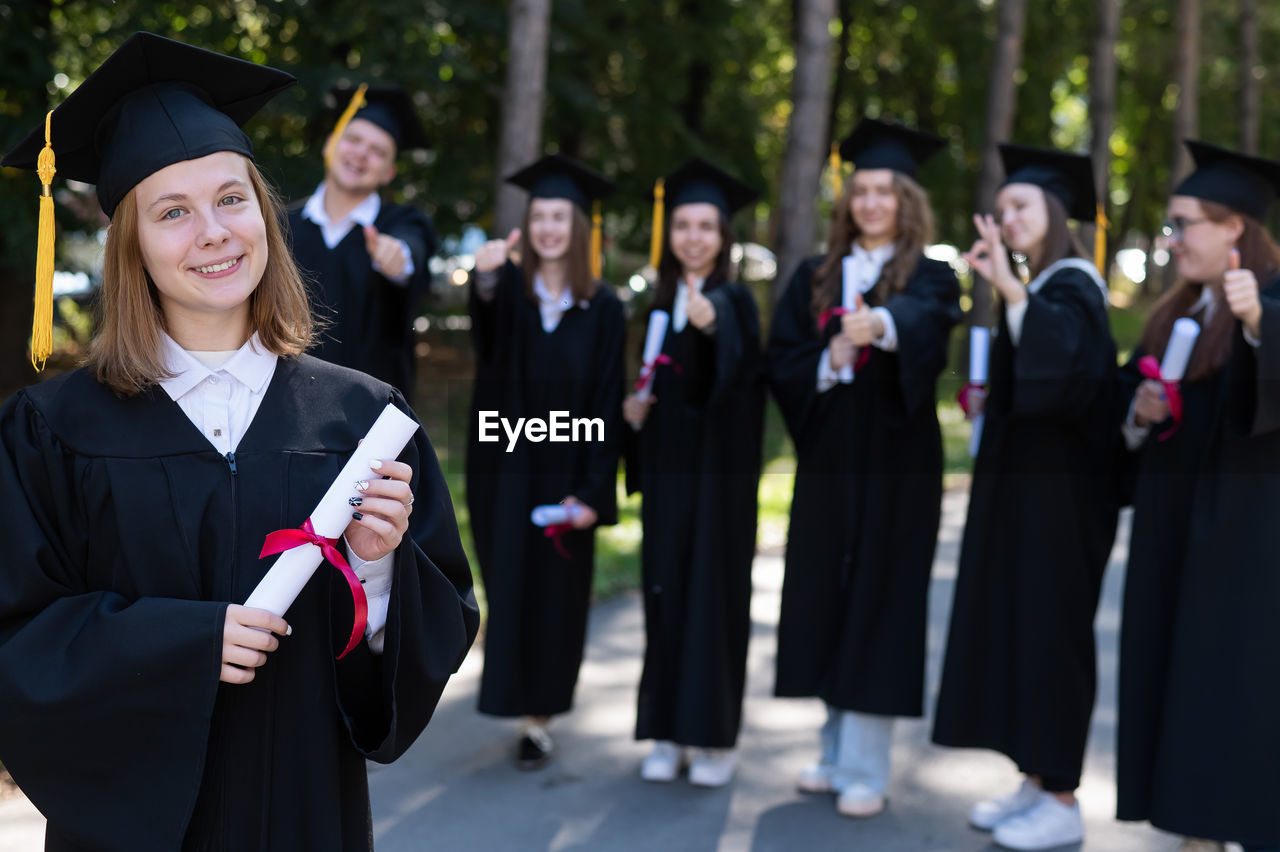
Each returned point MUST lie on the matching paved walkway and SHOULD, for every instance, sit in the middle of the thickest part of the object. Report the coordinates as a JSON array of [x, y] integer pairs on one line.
[[456, 789]]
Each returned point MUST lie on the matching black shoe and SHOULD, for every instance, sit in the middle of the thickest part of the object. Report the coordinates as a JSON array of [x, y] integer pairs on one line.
[[534, 749]]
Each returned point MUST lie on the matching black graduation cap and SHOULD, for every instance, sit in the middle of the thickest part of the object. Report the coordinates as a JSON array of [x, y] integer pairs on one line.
[[558, 176], [1069, 177], [1244, 183], [698, 181], [152, 103], [876, 144], [390, 108]]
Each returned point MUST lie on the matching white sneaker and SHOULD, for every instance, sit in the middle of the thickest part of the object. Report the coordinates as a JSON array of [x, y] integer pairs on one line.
[[1048, 824], [988, 814], [859, 800], [816, 779], [712, 767], [663, 763]]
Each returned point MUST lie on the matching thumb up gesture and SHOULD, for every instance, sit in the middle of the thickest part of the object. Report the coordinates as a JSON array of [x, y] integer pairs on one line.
[[1241, 289], [494, 253], [701, 312], [386, 252]]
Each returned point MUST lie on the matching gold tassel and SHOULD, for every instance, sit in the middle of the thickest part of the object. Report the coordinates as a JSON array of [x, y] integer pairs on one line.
[[42, 322], [655, 241], [837, 183], [1100, 240], [597, 220], [357, 103]]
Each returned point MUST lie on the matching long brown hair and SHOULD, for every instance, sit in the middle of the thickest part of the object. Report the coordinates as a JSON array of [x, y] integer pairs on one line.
[[915, 231], [1258, 252], [582, 285], [1060, 242], [669, 267], [126, 354]]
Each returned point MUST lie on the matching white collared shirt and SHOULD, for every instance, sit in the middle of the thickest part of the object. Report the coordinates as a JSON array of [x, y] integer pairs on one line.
[[363, 214], [220, 392], [552, 308]]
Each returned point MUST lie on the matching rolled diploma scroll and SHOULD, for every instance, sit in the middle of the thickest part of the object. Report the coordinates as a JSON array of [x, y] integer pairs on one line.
[[1176, 355], [291, 571], [979, 347], [849, 301], [658, 321], [554, 513]]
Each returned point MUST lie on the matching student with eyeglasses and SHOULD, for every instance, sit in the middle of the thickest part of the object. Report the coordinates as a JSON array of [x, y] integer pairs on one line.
[[1196, 737]]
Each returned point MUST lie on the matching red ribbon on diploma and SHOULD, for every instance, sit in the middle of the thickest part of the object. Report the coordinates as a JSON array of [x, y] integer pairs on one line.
[[647, 370], [555, 532], [282, 540], [864, 353], [1150, 368], [963, 397]]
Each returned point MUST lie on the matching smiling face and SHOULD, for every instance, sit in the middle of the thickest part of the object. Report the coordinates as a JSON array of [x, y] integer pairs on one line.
[[1024, 217], [550, 227], [695, 237], [1200, 246], [874, 206], [364, 158], [204, 243]]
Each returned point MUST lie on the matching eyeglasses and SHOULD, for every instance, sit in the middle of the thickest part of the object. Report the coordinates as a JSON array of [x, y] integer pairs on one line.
[[1174, 228]]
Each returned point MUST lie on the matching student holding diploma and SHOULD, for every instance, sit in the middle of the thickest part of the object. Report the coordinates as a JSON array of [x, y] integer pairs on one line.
[[694, 452], [858, 391], [548, 336], [1197, 737], [1019, 675], [143, 708]]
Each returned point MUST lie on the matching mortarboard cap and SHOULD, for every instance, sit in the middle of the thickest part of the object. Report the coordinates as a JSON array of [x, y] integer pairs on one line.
[[388, 107], [876, 144], [558, 176], [1244, 183], [1068, 177]]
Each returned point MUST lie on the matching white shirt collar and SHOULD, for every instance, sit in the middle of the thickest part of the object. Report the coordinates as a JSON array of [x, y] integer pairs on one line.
[[251, 365], [879, 255], [364, 213], [1071, 263], [1205, 303]]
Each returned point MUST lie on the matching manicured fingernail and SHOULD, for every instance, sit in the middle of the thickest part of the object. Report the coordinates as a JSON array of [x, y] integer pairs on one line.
[[355, 501], [375, 465], [357, 516], [288, 630], [362, 485]]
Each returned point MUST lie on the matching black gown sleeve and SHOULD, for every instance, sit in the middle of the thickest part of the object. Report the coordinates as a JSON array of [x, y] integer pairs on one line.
[[492, 320], [121, 690], [735, 343], [793, 353], [924, 315], [1264, 362], [1060, 360], [598, 486]]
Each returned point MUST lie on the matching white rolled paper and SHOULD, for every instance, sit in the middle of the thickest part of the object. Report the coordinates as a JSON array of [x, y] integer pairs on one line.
[[653, 339], [1176, 355], [554, 513], [979, 347], [849, 301], [975, 435], [291, 571]]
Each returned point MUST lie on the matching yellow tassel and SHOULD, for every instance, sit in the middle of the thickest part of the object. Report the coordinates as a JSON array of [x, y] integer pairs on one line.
[[42, 322], [597, 221], [1100, 240], [837, 183], [357, 102], [655, 241]]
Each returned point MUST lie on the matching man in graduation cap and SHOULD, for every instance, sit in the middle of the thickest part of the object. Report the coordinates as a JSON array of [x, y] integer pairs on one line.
[[367, 257]]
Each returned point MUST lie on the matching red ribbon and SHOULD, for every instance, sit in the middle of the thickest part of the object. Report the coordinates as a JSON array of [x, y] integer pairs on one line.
[[864, 353], [282, 540], [647, 371], [555, 532], [1150, 368], [963, 397]]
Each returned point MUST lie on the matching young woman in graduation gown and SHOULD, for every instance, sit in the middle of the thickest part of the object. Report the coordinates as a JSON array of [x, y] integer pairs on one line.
[[694, 453], [1197, 741], [868, 490], [548, 336], [1019, 674], [141, 710]]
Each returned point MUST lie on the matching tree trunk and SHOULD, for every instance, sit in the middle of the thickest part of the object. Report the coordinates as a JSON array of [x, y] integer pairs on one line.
[[1102, 100], [1250, 83], [523, 101], [1001, 100], [1186, 65], [806, 138], [840, 87]]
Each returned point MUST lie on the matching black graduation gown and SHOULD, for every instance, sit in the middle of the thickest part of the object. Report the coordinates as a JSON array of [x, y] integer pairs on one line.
[[1165, 472], [125, 534], [1216, 772], [697, 462], [538, 600], [1020, 669], [370, 318], [868, 497]]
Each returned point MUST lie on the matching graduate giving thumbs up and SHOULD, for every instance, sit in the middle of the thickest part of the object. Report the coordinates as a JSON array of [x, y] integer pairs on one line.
[[494, 253], [700, 310], [862, 327], [389, 255], [1241, 290]]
